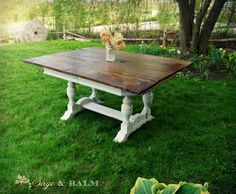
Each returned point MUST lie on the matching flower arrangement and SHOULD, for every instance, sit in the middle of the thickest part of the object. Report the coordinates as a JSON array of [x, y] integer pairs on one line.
[[112, 42], [116, 41]]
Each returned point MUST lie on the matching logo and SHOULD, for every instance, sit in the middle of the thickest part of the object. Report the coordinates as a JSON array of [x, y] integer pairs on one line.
[[23, 180]]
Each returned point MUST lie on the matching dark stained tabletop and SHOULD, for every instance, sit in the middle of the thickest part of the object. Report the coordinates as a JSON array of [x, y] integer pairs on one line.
[[131, 72]]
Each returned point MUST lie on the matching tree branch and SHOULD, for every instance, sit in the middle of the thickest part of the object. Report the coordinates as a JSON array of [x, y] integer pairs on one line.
[[198, 22], [192, 5], [208, 26]]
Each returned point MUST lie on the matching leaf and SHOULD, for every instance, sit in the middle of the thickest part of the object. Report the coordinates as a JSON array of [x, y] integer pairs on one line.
[[143, 186], [151, 186], [190, 188], [171, 189], [158, 188], [206, 185]]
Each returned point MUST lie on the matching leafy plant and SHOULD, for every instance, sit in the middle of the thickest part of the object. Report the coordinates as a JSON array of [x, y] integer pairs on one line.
[[222, 59], [216, 59], [231, 61], [200, 63], [216, 56], [152, 186], [153, 49]]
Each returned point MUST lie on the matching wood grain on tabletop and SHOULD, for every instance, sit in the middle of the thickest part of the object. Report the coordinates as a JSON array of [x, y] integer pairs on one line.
[[131, 72]]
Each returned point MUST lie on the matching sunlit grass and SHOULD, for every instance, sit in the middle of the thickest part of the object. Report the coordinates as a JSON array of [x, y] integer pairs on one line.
[[192, 137]]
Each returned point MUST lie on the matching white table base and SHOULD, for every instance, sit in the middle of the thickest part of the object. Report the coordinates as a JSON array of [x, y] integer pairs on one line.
[[130, 122]]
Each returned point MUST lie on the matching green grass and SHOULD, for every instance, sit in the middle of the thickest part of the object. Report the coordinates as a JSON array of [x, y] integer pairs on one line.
[[192, 137]]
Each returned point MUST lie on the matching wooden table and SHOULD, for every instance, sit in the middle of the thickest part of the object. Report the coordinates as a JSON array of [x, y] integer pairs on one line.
[[131, 74]]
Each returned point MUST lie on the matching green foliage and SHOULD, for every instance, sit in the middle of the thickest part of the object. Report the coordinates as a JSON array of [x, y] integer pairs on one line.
[[15, 11], [167, 16], [80, 14], [143, 186], [200, 63], [228, 16], [215, 60], [216, 57], [42, 10], [152, 49], [231, 61], [152, 186]]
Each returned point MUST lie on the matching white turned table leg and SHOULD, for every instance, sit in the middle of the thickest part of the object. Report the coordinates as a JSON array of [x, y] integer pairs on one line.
[[72, 108], [126, 127], [129, 122], [133, 122], [147, 101], [94, 96]]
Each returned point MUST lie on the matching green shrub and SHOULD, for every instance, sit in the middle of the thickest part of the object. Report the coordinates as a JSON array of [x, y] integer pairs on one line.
[[155, 49], [200, 63], [222, 59], [216, 59], [231, 61], [152, 186]]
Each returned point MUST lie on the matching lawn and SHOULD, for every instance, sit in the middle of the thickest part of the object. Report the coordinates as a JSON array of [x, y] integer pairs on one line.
[[192, 137]]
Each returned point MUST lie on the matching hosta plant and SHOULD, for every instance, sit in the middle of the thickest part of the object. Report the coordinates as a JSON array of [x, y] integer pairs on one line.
[[152, 186]]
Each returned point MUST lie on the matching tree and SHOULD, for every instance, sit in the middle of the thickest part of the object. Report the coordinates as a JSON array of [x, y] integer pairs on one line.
[[166, 18], [196, 28]]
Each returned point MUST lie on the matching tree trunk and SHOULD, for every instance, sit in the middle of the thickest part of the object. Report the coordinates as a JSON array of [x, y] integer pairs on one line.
[[197, 26], [164, 40], [58, 28], [185, 25], [194, 35], [209, 25], [192, 5]]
